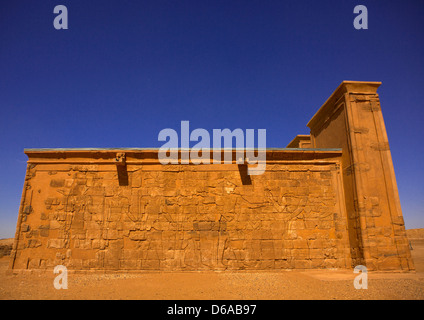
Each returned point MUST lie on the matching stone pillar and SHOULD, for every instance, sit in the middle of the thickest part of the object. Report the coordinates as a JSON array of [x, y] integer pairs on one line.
[[351, 119]]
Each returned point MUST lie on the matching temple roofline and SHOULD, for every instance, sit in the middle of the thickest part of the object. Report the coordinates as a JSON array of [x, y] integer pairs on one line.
[[360, 87]]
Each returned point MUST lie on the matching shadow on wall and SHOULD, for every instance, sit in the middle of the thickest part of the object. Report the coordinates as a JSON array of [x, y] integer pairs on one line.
[[122, 175], [245, 178]]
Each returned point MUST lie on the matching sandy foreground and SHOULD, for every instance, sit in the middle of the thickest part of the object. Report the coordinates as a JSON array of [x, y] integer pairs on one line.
[[325, 284]]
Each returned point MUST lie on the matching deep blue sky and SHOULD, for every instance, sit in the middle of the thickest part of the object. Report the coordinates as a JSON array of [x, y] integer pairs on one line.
[[124, 70]]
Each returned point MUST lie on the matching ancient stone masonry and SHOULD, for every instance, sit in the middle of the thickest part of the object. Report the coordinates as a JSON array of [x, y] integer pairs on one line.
[[182, 217], [351, 119], [323, 205]]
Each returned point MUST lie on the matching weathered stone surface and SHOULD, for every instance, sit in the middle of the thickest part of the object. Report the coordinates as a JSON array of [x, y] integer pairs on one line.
[[5, 247], [135, 214], [351, 119], [173, 220]]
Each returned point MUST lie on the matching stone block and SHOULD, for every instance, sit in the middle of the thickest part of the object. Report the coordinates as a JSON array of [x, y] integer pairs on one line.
[[56, 243], [138, 235]]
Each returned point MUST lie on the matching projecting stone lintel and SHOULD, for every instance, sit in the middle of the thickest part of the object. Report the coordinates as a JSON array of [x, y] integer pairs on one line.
[[120, 159], [150, 156]]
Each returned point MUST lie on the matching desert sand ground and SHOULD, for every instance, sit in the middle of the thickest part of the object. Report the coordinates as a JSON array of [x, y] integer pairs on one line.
[[322, 285]]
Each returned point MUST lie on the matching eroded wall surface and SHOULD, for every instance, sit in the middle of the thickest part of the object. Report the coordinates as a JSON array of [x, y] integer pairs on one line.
[[182, 217], [314, 207], [352, 119]]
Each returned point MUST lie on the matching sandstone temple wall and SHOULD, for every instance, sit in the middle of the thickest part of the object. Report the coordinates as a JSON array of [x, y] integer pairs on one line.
[[329, 200], [352, 119], [182, 217]]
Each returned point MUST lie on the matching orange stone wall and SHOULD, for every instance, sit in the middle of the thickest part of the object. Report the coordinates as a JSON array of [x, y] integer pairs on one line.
[[352, 119], [328, 201], [77, 211]]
